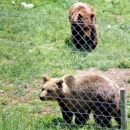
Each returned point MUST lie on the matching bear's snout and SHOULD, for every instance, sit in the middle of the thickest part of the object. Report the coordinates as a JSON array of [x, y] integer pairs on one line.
[[43, 95], [41, 98]]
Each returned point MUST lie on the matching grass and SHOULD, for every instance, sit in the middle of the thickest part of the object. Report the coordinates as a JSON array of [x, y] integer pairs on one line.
[[38, 41]]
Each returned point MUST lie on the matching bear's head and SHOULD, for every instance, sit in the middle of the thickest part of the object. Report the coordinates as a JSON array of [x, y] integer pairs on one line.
[[56, 88], [51, 89], [82, 16]]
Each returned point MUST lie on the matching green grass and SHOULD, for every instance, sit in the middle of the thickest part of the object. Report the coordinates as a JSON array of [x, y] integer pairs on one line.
[[38, 41]]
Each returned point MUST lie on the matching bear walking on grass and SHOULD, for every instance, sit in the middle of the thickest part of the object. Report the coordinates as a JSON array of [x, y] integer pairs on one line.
[[79, 95], [82, 17]]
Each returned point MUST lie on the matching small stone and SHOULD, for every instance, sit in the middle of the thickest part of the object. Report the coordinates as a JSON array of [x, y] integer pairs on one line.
[[2, 91]]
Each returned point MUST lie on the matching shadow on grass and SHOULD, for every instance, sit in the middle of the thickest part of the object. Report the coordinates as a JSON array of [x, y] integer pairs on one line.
[[57, 123], [69, 43]]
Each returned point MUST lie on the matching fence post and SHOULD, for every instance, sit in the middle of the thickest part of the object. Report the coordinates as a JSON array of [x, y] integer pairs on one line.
[[123, 109]]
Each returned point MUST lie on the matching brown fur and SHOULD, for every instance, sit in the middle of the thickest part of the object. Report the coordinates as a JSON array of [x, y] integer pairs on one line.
[[82, 17], [79, 95]]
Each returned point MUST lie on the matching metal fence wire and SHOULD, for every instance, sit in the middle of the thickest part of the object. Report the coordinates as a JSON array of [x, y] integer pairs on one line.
[[79, 96], [95, 98], [81, 39], [59, 38]]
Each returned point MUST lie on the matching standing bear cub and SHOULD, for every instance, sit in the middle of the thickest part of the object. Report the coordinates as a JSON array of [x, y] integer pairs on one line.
[[82, 17], [79, 95]]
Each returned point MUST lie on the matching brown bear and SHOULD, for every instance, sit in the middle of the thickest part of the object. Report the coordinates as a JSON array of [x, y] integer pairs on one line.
[[82, 17], [79, 95]]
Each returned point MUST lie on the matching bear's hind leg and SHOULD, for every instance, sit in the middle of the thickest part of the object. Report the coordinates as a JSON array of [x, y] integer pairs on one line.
[[81, 118], [103, 120], [106, 122], [117, 117], [66, 113]]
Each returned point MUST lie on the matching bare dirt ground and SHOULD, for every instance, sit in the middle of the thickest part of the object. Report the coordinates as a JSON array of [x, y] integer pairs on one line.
[[120, 76]]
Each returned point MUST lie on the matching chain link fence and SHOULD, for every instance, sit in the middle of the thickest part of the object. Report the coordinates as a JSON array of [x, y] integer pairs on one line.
[[60, 38]]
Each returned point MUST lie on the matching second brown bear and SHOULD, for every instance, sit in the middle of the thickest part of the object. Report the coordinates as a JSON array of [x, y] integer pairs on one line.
[[82, 17]]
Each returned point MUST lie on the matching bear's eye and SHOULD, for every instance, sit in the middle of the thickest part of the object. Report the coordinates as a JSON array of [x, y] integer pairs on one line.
[[43, 89], [49, 91]]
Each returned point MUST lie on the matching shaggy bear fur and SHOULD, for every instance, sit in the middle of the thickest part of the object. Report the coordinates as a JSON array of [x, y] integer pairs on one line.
[[82, 17], [79, 95]]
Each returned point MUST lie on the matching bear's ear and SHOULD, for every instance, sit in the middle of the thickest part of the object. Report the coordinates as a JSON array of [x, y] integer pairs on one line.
[[92, 16], [59, 83], [69, 80], [46, 78], [79, 16]]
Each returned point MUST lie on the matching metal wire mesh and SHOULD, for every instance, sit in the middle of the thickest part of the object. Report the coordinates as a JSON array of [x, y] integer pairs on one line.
[[79, 96], [44, 37]]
